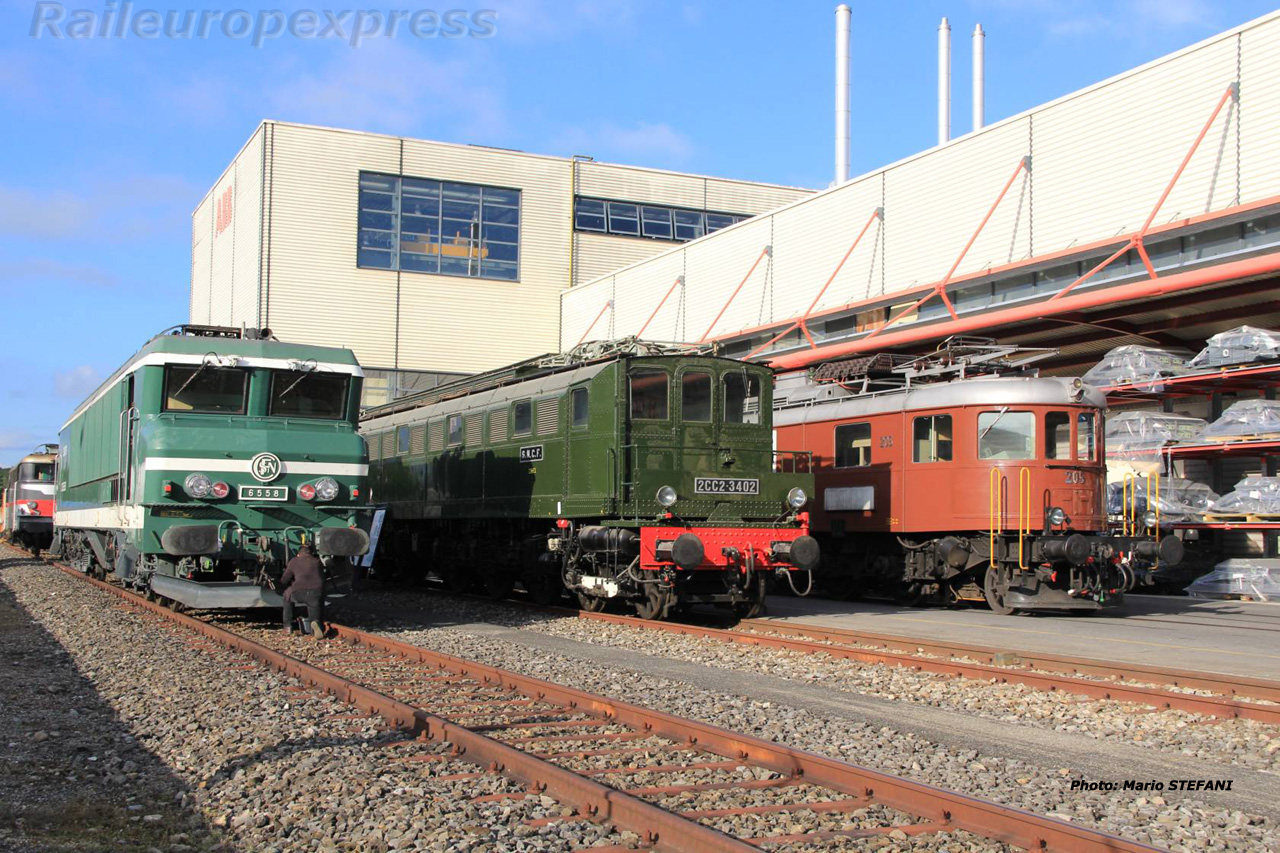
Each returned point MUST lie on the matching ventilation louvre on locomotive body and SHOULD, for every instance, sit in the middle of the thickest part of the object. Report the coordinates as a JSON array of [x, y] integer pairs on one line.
[[622, 472]]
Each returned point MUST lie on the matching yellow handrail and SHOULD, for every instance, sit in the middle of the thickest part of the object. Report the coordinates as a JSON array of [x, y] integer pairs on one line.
[[995, 507], [1024, 521]]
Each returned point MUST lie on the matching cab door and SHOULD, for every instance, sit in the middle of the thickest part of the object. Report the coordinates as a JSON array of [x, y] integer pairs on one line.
[[695, 420], [589, 448]]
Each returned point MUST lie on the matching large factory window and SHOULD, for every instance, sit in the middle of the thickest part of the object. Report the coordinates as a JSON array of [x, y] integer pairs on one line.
[[656, 222], [201, 388], [695, 396], [649, 395], [853, 445], [1006, 435], [438, 227], [931, 439]]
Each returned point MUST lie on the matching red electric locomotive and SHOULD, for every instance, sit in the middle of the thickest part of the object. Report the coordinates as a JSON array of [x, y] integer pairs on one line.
[[947, 478], [28, 500]]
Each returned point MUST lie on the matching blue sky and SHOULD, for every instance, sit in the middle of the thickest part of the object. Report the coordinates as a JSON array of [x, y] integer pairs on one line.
[[108, 144]]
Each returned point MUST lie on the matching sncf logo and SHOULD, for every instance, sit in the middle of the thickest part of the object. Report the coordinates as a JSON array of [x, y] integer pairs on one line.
[[222, 215], [265, 467]]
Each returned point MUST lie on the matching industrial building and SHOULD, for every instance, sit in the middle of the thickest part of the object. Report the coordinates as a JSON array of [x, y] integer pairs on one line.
[[431, 259]]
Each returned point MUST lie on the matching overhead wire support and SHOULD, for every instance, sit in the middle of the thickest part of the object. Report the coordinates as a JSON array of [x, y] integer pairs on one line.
[[801, 322], [767, 250], [940, 289], [606, 307], [679, 281], [1137, 240]]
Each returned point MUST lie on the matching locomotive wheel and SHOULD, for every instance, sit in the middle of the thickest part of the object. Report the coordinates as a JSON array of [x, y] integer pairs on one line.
[[910, 595], [592, 603], [499, 585], [995, 586], [456, 579], [655, 603], [543, 587]]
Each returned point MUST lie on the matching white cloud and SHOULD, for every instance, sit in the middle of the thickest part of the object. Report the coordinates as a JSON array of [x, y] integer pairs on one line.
[[76, 382], [42, 270], [544, 20], [43, 215], [16, 443], [391, 87], [644, 143], [113, 211]]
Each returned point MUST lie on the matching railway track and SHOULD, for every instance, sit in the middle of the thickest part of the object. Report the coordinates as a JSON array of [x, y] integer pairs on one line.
[[1164, 688], [640, 770]]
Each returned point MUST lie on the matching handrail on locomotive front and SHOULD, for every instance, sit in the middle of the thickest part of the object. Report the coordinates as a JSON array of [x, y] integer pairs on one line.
[[997, 506]]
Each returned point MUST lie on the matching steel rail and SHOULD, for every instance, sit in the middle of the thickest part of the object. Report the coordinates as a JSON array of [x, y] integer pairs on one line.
[[941, 810], [810, 640]]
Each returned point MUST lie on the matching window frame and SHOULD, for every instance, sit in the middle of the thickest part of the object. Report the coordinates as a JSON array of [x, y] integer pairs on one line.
[[574, 394], [933, 440], [164, 391], [515, 423], [835, 457], [1004, 413], [1095, 441], [271, 396], [711, 395], [1070, 442], [402, 440], [397, 213], [747, 377], [449, 422], [666, 404], [697, 222]]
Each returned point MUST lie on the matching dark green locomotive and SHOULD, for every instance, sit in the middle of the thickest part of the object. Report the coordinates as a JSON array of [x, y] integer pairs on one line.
[[619, 472], [195, 471]]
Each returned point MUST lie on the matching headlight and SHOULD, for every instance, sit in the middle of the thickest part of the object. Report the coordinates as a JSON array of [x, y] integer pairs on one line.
[[796, 498], [326, 488], [1150, 519], [1057, 516], [197, 485], [667, 496]]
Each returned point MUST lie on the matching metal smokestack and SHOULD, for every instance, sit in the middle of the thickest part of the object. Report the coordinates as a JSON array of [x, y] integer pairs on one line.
[[843, 17], [944, 81], [979, 77]]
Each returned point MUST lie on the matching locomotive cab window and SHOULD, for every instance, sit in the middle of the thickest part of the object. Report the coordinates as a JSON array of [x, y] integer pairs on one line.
[[1057, 435], [931, 439], [695, 396], [522, 415], [1006, 435], [308, 394], [455, 430], [40, 472], [649, 395], [1086, 436], [204, 389], [741, 398], [579, 402], [853, 445]]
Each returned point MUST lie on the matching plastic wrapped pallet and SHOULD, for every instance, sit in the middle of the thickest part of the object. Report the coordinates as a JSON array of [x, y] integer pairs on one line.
[[1238, 346], [1251, 496], [1255, 579], [1135, 363], [1244, 420], [1181, 500], [1138, 436]]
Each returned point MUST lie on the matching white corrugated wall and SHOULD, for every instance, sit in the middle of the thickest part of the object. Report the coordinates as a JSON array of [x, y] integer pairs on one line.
[[1100, 159]]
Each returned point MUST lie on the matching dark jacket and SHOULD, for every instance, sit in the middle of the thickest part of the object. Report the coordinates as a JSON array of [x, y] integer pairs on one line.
[[304, 573]]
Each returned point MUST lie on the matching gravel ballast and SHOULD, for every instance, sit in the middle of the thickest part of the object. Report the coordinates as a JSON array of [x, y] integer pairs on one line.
[[1181, 823], [226, 753]]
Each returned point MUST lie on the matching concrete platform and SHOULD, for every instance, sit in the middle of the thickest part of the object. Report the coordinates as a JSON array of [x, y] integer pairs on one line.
[[1234, 637]]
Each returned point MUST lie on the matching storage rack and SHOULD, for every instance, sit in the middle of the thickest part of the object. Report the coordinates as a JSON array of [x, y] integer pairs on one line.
[[1253, 377]]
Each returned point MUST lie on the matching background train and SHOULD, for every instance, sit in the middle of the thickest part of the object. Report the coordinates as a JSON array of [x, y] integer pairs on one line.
[[941, 479], [27, 517], [195, 471], [619, 472]]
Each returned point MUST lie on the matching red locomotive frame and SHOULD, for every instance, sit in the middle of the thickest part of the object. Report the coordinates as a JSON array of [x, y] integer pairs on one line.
[[29, 500], [987, 488]]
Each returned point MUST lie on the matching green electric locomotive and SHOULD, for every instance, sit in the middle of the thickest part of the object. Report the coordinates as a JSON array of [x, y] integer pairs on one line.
[[197, 469], [623, 471]]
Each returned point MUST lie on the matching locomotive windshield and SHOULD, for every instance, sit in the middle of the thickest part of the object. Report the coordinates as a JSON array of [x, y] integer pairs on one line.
[[1006, 435], [205, 389], [41, 472], [741, 398], [649, 395], [308, 394], [695, 396], [1086, 436]]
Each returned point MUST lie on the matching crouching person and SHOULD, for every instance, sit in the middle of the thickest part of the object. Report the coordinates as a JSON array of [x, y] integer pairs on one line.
[[303, 580]]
